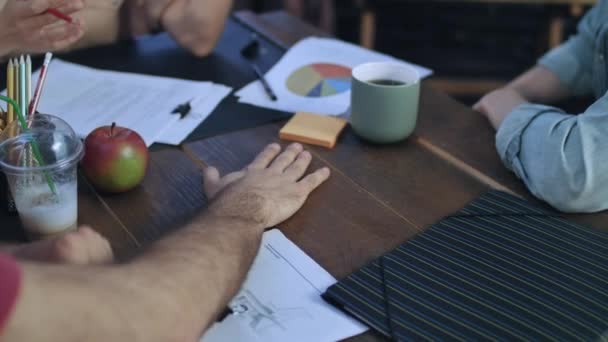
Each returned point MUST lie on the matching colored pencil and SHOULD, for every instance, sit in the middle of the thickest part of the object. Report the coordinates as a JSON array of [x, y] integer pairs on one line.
[[16, 83], [22, 84], [59, 14], [28, 81], [10, 90], [40, 85]]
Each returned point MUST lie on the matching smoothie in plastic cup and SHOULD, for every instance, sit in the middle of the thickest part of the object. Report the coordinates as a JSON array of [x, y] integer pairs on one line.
[[41, 164]]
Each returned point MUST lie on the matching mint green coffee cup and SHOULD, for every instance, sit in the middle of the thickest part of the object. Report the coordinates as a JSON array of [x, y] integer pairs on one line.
[[384, 112]]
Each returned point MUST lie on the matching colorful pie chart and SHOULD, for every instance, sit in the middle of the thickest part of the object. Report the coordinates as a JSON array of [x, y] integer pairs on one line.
[[319, 80]]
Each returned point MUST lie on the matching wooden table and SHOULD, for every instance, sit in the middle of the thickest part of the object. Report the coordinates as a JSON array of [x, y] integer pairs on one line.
[[377, 197]]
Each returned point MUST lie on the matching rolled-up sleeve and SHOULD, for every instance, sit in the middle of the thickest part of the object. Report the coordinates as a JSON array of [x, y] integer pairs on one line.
[[560, 157], [572, 61]]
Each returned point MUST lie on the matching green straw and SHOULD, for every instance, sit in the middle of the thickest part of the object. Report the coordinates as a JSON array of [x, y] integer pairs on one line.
[[35, 148]]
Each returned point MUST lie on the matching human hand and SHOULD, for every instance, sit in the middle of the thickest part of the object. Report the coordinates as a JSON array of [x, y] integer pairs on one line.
[[26, 28], [498, 104], [81, 247], [145, 15], [268, 191], [196, 24]]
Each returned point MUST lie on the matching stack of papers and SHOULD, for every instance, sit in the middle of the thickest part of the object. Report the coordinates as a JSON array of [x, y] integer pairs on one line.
[[88, 98], [281, 300], [315, 76]]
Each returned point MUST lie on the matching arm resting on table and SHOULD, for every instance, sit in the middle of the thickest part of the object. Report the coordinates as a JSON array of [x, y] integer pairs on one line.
[[560, 157], [566, 70], [540, 85], [171, 293]]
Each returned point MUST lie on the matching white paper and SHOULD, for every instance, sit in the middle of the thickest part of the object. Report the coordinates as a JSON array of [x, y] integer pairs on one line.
[[306, 52], [88, 98], [201, 109], [281, 300]]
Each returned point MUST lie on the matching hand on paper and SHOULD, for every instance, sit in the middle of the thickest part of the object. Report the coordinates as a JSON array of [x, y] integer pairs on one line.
[[268, 191], [26, 28], [81, 247], [498, 104]]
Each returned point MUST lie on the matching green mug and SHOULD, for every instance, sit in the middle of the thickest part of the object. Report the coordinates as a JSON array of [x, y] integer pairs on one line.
[[384, 101]]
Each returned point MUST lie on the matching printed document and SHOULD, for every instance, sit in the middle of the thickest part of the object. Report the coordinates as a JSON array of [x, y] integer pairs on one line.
[[281, 300], [315, 76], [88, 98]]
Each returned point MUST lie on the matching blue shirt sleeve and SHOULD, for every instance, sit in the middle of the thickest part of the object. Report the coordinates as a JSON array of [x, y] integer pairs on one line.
[[560, 157]]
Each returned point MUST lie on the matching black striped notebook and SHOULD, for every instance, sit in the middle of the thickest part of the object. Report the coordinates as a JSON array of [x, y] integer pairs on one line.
[[498, 269]]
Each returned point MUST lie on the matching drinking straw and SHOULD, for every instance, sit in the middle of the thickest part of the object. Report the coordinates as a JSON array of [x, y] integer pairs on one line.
[[35, 148]]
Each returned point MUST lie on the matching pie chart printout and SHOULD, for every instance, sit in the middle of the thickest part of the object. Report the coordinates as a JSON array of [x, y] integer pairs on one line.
[[319, 80]]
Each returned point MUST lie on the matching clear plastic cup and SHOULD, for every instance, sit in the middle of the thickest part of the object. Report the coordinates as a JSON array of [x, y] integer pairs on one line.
[[42, 176]]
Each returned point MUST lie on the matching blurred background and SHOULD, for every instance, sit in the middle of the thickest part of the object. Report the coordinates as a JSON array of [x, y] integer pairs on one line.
[[474, 46]]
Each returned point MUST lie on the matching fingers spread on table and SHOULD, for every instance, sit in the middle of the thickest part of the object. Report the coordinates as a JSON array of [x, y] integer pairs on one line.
[[313, 180], [265, 157], [297, 169], [286, 158]]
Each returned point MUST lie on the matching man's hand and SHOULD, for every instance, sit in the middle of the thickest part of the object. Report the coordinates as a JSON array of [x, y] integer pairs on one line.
[[145, 15], [81, 247], [194, 24], [498, 104], [268, 191], [181, 282], [26, 28]]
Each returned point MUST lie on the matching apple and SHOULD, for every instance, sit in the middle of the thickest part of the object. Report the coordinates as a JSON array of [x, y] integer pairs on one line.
[[115, 159]]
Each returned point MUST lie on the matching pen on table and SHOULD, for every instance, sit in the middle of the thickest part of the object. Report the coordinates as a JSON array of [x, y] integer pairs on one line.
[[59, 14], [10, 90], [251, 52], [265, 84], [40, 85]]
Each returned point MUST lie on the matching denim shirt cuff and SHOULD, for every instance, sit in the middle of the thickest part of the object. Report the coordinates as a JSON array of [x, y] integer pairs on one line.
[[509, 134]]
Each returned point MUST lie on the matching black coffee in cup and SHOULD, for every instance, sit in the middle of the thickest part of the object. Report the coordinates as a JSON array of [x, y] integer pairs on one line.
[[387, 82]]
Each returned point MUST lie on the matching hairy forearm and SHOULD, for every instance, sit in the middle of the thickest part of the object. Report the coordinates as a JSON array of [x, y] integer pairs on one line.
[[202, 267], [173, 291], [539, 85]]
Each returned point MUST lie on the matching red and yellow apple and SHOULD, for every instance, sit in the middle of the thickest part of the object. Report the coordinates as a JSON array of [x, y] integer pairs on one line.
[[115, 159]]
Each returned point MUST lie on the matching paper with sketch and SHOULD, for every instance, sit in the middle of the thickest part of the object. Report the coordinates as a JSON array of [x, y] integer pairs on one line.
[[88, 98], [281, 300], [314, 76]]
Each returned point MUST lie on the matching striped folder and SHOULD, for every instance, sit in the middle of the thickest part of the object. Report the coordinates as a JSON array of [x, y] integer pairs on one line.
[[499, 269]]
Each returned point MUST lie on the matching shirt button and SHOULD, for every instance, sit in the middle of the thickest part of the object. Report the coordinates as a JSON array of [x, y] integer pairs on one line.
[[601, 57]]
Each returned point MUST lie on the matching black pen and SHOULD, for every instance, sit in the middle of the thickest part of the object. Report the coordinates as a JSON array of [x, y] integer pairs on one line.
[[265, 84]]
